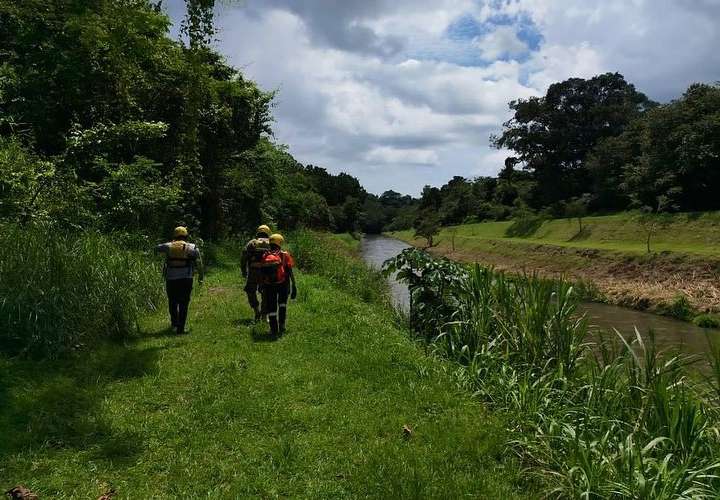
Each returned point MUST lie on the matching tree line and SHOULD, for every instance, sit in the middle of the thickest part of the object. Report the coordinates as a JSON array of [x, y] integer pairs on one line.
[[588, 145], [107, 123]]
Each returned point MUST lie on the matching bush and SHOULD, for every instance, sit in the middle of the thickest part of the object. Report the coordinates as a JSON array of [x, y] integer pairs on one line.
[[680, 308], [707, 321], [62, 293]]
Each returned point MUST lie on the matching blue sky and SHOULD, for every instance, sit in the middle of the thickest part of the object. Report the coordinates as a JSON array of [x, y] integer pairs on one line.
[[403, 93]]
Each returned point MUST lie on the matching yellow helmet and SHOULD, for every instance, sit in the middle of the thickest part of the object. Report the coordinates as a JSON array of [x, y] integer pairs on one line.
[[277, 239], [180, 231], [263, 229]]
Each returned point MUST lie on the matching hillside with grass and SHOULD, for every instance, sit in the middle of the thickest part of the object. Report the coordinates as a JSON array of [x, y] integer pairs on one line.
[[609, 254]]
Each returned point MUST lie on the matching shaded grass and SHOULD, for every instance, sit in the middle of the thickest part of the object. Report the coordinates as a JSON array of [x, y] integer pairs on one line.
[[317, 414]]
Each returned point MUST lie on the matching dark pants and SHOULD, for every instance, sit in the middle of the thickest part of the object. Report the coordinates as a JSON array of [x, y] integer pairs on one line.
[[252, 289], [275, 299], [178, 292]]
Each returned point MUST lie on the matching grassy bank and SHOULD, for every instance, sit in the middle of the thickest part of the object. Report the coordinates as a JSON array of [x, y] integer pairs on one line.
[[681, 275], [603, 421], [223, 413], [697, 234]]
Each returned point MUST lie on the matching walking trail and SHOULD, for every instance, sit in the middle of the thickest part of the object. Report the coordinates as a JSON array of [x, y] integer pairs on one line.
[[344, 405]]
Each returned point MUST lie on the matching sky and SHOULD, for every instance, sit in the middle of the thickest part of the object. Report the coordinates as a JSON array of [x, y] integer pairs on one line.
[[404, 93]]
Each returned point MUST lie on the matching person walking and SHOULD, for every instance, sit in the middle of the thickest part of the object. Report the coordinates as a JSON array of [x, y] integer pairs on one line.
[[249, 261], [181, 261], [278, 283]]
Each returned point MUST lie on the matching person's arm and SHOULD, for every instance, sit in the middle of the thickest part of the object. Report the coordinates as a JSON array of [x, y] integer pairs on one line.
[[290, 265], [244, 262]]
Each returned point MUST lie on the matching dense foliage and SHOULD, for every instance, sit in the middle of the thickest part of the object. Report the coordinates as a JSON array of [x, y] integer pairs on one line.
[[596, 421], [108, 123]]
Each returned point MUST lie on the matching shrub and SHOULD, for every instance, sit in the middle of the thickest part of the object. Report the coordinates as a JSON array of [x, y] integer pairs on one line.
[[680, 308], [707, 321], [59, 293]]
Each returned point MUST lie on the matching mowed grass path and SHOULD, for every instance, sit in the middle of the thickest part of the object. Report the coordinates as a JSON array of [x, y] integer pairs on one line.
[[224, 413]]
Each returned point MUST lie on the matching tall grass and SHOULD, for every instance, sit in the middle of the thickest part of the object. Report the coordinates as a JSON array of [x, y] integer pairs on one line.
[[59, 293], [610, 420], [316, 253]]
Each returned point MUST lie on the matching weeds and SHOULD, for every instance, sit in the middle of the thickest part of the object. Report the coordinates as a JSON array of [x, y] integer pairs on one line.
[[60, 293], [319, 256], [595, 421]]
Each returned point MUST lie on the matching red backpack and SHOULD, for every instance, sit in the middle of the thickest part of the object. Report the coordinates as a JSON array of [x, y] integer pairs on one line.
[[272, 268]]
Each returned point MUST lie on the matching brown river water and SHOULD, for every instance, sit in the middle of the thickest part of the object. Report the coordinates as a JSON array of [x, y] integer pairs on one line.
[[670, 333]]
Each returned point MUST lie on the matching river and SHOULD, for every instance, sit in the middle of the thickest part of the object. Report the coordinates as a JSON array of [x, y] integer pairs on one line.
[[669, 333]]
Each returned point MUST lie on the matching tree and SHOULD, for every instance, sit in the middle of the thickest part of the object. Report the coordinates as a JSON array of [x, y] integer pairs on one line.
[[552, 135], [652, 219], [672, 153], [427, 226], [453, 234], [577, 208]]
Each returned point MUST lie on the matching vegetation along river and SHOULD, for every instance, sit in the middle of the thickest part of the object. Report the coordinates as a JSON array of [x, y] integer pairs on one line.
[[669, 332]]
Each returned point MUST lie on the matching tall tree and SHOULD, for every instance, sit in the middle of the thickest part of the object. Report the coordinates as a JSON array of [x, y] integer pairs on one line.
[[552, 135]]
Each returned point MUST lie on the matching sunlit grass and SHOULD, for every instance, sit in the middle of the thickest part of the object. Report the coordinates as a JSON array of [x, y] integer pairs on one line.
[[688, 233], [225, 413]]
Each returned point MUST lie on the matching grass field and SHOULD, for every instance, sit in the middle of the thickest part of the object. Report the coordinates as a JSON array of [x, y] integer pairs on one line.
[[225, 413], [687, 233]]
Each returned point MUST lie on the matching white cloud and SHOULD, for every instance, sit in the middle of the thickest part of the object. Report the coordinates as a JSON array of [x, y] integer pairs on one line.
[[500, 43], [386, 154], [554, 63]]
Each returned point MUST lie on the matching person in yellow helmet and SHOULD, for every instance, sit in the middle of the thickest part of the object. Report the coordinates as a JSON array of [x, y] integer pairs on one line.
[[182, 259], [278, 283], [249, 260]]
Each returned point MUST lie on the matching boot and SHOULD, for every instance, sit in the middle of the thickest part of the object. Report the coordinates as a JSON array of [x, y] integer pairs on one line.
[[273, 325]]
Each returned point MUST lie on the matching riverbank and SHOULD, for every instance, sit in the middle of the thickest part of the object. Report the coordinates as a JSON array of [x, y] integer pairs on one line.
[[607, 258], [225, 413]]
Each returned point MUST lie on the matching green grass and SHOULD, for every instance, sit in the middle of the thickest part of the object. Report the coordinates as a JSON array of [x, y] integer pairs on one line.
[[224, 413], [693, 233], [348, 241], [603, 420], [62, 292]]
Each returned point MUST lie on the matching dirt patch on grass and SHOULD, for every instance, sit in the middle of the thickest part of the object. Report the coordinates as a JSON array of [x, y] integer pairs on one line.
[[652, 282]]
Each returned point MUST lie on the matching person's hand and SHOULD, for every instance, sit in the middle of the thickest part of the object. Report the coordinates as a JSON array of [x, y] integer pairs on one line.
[[293, 293]]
